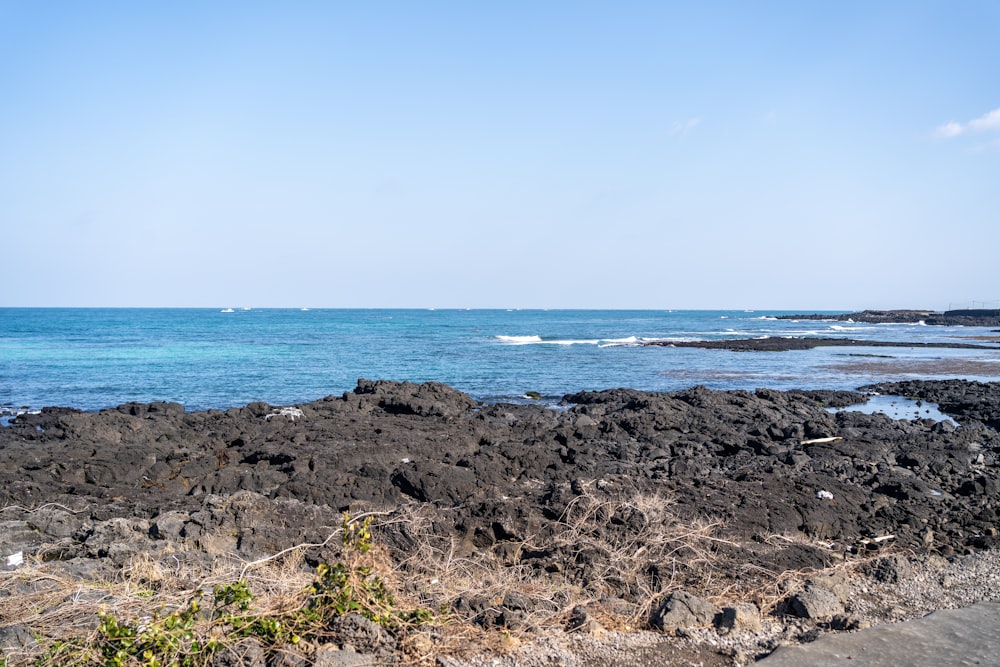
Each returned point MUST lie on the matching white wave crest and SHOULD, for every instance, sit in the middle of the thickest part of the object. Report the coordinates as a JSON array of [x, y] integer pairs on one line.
[[538, 340], [630, 339], [519, 340]]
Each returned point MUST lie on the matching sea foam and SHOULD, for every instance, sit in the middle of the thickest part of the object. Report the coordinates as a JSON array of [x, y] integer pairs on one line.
[[519, 340]]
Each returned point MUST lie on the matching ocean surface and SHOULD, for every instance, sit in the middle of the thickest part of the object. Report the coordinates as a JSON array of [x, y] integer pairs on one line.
[[211, 358]]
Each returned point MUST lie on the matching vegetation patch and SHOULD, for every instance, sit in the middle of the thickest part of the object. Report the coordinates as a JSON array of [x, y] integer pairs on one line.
[[149, 619]]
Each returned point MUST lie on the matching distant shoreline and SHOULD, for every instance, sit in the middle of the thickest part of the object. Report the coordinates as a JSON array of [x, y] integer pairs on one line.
[[966, 317], [788, 344]]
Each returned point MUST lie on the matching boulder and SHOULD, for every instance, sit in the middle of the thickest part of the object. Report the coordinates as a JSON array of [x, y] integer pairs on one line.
[[744, 617], [681, 610], [817, 603]]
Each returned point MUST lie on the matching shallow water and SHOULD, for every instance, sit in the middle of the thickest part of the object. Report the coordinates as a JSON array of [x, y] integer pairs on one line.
[[899, 407]]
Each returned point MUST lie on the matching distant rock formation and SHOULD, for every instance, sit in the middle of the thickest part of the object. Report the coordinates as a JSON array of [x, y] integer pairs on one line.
[[967, 317]]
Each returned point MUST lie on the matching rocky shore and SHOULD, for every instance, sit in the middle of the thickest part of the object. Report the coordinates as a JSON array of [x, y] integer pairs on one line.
[[725, 523], [782, 344], [966, 317]]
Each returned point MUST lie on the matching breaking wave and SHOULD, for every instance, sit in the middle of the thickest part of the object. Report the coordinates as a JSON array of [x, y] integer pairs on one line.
[[519, 340]]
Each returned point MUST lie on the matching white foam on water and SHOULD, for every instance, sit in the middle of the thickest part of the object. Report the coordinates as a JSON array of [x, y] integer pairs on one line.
[[519, 340], [631, 341], [669, 339], [838, 327], [8, 414], [538, 340]]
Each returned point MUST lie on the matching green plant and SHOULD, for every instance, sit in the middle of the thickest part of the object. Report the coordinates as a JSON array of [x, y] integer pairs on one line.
[[356, 537], [168, 639], [229, 594], [340, 590], [189, 630], [58, 652], [353, 586]]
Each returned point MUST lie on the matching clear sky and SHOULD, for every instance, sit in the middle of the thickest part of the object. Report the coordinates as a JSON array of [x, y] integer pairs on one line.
[[800, 155]]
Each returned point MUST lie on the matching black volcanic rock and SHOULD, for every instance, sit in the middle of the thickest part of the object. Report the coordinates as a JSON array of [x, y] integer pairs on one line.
[[962, 399], [783, 344], [967, 317], [258, 479]]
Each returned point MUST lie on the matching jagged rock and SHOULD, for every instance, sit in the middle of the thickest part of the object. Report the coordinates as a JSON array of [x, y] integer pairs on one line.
[[889, 569], [365, 636], [144, 478]]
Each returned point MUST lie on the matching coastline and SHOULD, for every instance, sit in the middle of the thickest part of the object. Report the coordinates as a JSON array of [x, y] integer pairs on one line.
[[950, 318], [785, 344], [733, 497]]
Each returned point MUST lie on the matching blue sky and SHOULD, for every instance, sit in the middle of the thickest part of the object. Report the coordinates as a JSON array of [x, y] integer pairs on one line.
[[519, 154]]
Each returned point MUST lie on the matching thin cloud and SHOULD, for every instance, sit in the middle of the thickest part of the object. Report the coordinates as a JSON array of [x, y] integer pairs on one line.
[[985, 123], [682, 128]]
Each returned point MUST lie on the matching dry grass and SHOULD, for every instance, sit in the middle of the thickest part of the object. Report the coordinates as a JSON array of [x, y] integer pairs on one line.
[[615, 556], [618, 556], [61, 608]]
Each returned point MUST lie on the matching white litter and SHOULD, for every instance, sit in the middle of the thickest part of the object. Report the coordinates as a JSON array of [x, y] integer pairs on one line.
[[291, 413], [14, 560], [824, 495]]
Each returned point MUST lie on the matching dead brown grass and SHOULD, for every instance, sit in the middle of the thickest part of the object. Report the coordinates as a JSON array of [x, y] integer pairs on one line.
[[615, 556]]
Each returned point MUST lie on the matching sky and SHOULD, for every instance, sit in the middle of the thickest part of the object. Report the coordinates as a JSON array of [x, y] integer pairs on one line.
[[768, 155]]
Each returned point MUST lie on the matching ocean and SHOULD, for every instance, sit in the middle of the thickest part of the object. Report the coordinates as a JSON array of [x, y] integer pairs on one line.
[[217, 358]]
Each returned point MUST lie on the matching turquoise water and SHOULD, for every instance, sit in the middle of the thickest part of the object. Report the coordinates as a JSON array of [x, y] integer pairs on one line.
[[202, 358]]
